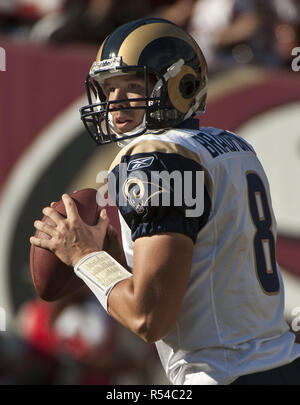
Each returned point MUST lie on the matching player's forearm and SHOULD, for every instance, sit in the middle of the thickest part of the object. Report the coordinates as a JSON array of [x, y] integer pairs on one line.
[[131, 304], [138, 314], [148, 303], [123, 308]]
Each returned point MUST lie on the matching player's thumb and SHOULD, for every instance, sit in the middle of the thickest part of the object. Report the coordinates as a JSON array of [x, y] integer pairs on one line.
[[103, 220]]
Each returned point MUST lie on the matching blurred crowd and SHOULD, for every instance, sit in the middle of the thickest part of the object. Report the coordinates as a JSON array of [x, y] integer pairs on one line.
[[230, 32], [73, 341]]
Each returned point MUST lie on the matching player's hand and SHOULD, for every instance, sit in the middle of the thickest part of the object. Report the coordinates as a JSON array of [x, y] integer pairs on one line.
[[70, 237]]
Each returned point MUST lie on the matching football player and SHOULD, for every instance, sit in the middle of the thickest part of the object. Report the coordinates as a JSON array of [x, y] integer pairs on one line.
[[198, 229]]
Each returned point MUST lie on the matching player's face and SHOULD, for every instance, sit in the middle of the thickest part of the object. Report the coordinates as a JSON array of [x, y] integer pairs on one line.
[[125, 88]]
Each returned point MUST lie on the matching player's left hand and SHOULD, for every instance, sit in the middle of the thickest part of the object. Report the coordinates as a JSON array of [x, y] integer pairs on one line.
[[71, 238]]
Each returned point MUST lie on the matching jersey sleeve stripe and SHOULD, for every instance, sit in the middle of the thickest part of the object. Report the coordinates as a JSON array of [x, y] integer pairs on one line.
[[151, 146]]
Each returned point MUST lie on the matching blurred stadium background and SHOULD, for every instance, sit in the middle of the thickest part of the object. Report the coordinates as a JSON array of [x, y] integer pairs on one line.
[[49, 46]]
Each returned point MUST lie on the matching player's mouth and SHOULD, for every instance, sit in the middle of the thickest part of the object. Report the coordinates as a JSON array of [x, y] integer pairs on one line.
[[123, 123]]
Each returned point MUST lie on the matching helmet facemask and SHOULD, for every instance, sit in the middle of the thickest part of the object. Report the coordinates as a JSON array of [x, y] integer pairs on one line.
[[97, 115], [159, 115]]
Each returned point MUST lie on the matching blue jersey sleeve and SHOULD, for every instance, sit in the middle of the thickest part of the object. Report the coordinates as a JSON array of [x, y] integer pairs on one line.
[[160, 192]]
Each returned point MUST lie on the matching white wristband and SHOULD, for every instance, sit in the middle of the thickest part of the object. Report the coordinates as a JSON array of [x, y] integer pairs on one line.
[[101, 273]]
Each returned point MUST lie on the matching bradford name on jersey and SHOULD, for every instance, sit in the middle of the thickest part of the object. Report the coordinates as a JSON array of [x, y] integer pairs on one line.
[[231, 320]]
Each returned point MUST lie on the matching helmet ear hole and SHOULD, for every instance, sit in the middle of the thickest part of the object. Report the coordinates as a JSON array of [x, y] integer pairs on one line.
[[182, 89], [188, 86]]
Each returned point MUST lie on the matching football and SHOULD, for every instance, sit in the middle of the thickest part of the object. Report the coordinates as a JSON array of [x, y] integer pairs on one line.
[[52, 278]]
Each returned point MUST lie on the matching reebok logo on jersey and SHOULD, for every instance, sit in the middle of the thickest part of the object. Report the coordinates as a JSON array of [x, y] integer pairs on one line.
[[140, 163]]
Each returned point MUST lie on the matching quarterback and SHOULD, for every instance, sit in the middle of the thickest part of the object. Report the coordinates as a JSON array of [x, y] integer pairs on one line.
[[204, 287]]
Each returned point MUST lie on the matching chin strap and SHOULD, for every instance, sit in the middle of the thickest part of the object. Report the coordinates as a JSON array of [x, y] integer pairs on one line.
[[194, 108], [141, 127], [131, 133]]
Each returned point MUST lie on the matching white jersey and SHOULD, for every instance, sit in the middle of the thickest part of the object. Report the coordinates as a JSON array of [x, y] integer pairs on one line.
[[231, 320]]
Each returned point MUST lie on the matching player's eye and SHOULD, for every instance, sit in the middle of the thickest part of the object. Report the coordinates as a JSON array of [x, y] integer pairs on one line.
[[136, 87], [108, 91]]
